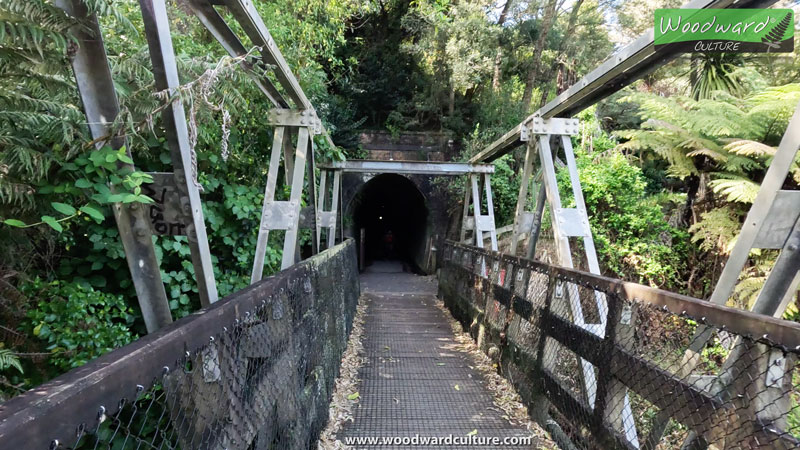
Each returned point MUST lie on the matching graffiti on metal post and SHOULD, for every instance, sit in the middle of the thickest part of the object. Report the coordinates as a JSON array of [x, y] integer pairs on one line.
[[166, 215]]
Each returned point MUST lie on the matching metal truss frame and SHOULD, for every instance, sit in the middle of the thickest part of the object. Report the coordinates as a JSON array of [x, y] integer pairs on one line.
[[184, 206], [566, 223], [478, 222]]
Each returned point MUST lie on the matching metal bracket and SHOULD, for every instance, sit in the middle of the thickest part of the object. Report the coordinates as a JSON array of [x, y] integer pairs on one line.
[[573, 222], [524, 134], [327, 219], [280, 215], [568, 127], [295, 118]]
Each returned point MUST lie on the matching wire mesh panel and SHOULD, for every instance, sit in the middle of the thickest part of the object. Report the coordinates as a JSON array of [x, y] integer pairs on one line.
[[620, 365], [253, 371]]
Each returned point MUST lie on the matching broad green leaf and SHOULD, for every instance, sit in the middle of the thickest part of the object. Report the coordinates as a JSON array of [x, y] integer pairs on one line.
[[83, 183], [98, 281], [353, 396], [93, 212], [50, 220], [14, 223], [63, 208]]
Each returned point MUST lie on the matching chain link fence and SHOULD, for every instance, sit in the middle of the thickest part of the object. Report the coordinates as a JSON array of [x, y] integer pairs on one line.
[[620, 365], [253, 371]]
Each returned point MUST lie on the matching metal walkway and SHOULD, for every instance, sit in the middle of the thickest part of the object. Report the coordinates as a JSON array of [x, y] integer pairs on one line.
[[413, 382]]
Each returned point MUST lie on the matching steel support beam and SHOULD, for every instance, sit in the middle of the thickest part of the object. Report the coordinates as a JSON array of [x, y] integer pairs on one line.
[[285, 215], [478, 222], [410, 167], [165, 72], [630, 63], [566, 223], [251, 22], [215, 25], [96, 89], [245, 13], [327, 218]]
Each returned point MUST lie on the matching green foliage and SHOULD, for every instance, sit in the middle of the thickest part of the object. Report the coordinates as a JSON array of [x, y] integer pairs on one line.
[[56, 188], [76, 322], [505, 189], [717, 72], [717, 229], [725, 144], [442, 64], [725, 136], [98, 181], [9, 360], [634, 240]]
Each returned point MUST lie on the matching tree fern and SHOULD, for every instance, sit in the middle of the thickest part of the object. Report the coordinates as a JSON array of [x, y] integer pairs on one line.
[[735, 188]]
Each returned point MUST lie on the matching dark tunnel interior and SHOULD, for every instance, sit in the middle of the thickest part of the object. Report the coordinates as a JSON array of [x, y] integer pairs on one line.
[[393, 214]]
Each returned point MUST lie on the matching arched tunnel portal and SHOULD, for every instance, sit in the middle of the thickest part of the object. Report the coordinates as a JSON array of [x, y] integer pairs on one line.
[[394, 216]]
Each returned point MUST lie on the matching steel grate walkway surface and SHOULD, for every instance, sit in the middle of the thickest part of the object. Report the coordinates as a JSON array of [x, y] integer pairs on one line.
[[411, 383]]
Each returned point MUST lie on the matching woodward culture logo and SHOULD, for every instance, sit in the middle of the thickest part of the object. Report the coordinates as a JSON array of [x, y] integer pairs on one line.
[[725, 30]]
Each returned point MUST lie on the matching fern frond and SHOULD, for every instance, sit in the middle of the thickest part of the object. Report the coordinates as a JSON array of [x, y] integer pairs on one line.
[[707, 152], [9, 359], [742, 164], [105, 8], [25, 160], [29, 36], [745, 147], [16, 194], [747, 290], [735, 188], [715, 229], [39, 12]]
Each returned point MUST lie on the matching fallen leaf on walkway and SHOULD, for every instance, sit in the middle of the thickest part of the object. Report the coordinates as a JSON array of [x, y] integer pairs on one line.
[[473, 432], [456, 387], [341, 409], [353, 396], [439, 364], [505, 396]]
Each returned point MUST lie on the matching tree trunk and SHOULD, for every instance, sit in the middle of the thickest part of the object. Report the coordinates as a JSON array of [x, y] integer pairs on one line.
[[564, 52], [451, 107], [693, 184], [498, 57], [547, 23]]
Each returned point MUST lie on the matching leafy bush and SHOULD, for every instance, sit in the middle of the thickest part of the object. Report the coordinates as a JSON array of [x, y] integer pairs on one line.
[[634, 240], [76, 322]]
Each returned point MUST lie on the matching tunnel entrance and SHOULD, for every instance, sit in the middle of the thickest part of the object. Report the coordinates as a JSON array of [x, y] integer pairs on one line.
[[392, 212]]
